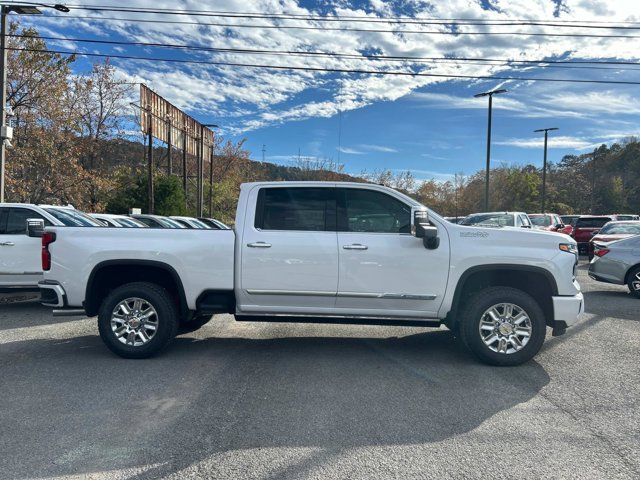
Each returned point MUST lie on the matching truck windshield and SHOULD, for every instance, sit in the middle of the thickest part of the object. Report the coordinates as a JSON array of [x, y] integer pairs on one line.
[[541, 220], [72, 218]]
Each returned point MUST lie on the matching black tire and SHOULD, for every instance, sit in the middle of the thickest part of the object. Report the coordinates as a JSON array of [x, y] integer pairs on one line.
[[472, 314], [196, 323], [167, 319], [634, 275]]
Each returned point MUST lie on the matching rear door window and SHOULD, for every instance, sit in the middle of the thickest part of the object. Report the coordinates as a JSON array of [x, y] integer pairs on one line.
[[296, 208]]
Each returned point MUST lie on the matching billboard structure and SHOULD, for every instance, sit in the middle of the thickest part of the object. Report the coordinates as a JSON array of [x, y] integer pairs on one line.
[[165, 122]]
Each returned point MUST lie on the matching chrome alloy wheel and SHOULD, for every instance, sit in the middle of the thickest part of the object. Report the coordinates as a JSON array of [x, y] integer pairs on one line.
[[505, 328], [635, 283], [134, 321]]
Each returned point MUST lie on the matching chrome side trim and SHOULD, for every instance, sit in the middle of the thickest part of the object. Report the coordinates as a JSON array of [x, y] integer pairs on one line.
[[21, 273], [400, 296], [313, 293]]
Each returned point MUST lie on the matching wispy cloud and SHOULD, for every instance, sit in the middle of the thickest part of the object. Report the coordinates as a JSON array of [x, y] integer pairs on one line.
[[377, 148], [350, 151], [554, 142]]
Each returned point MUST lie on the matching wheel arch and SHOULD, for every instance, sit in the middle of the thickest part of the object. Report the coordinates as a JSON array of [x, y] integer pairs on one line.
[[536, 281], [631, 269], [109, 274]]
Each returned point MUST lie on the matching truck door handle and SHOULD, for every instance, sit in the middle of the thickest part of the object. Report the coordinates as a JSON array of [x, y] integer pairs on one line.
[[259, 245], [7, 244], [355, 246]]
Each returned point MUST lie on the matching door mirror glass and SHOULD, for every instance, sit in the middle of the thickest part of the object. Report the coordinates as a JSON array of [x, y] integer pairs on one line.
[[35, 227], [419, 221], [421, 228]]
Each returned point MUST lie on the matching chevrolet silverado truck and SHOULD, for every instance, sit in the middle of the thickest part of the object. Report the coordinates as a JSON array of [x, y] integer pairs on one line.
[[319, 252]]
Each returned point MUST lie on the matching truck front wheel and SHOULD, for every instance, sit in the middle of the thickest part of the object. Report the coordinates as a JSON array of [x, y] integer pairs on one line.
[[137, 320], [503, 326]]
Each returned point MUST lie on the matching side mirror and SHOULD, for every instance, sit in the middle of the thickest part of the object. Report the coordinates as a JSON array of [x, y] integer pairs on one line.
[[560, 226], [35, 227], [421, 228], [419, 222]]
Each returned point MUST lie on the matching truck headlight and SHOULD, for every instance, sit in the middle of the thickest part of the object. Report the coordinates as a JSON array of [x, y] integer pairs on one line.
[[569, 248]]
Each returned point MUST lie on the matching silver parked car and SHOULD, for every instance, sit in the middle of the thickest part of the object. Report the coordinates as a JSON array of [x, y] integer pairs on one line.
[[618, 262]]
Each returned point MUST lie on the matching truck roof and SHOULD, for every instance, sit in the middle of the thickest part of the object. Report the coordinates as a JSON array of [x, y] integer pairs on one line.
[[371, 186]]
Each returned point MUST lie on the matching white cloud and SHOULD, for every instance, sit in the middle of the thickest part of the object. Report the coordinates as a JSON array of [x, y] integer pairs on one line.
[[553, 142], [377, 148], [268, 97], [350, 151]]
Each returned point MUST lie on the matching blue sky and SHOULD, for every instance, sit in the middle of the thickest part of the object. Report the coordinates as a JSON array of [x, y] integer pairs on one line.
[[431, 126]]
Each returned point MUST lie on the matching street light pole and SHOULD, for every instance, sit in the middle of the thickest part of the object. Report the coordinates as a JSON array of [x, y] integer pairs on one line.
[[3, 95], [4, 11], [489, 94], [544, 165]]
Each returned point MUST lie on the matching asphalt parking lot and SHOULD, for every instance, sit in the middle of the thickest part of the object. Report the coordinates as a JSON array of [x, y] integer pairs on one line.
[[273, 401]]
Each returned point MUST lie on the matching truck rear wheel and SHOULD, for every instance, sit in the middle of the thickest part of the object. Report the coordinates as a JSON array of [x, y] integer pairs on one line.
[[503, 326], [137, 320]]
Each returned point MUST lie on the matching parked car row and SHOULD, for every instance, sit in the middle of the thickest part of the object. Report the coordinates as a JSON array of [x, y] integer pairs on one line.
[[20, 262]]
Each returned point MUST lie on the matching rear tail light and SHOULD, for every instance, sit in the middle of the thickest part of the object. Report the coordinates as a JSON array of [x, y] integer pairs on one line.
[[47, 239], [601, 252]]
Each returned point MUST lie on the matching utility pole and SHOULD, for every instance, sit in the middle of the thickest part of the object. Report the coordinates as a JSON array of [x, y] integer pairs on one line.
[[3, 96], [169, 163], [200, 172], [211, 155], [593, 182], [184, 166], [544, 165], [211, 182], [150, 166], [489, 94], [263, 150]]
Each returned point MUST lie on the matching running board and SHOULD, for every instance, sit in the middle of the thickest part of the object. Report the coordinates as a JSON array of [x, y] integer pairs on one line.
[[339, 320], [69, 312]]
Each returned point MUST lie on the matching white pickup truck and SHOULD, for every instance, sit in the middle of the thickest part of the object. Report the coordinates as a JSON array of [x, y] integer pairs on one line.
[[319, 252]]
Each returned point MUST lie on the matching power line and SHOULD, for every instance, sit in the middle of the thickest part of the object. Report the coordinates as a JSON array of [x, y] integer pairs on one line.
[[476, 61], [329, 70], [334, 29], [360, 19]]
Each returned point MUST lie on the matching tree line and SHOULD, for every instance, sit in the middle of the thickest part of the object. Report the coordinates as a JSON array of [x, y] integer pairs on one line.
[[73, 145]]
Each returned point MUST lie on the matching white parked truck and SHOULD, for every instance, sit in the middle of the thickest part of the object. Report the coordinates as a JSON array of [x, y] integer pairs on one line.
[[319, 252]]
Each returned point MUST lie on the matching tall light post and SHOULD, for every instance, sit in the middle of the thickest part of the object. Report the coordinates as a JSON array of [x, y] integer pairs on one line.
[[544, 164], [489, 94], [30, 9]]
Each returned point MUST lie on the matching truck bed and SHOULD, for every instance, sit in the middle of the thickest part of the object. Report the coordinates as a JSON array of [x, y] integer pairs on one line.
[[202, 259]]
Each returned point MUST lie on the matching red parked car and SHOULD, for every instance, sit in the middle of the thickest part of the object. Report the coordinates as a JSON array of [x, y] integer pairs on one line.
[[614, 231], [586, 227], [546, 221]]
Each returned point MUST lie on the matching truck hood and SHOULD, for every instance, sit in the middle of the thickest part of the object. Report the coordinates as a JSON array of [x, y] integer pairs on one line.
[[511, 235]]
